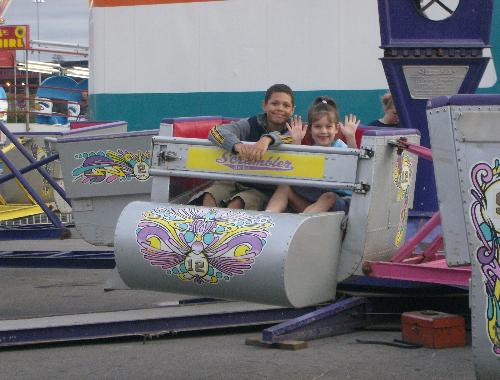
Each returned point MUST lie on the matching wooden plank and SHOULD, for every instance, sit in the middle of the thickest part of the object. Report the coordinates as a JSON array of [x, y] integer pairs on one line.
[[292, 345]]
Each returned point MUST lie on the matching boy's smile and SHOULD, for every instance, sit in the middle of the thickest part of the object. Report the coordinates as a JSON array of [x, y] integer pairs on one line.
[[278, 109]]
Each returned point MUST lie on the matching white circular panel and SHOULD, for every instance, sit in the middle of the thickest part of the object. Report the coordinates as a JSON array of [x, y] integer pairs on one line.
[[437, 10]]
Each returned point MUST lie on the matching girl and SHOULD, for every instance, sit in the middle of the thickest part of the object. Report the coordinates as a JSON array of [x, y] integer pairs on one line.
[[323, 120]]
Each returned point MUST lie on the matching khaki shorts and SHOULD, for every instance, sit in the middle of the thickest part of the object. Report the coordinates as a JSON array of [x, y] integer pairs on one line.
[[223, 192]]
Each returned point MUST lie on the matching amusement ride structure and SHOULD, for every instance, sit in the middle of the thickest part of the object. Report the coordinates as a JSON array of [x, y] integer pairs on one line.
[[129, 190]]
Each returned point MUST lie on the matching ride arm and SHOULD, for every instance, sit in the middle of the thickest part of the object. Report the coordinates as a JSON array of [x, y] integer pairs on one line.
[[419, 150]]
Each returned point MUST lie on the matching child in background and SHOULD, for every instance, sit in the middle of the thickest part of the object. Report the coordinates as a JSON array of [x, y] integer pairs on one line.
[[267, 129], [390, 118], [323, 121]]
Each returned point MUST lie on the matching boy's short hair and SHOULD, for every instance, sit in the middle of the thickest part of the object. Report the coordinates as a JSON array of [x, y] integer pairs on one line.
[[279, 87]]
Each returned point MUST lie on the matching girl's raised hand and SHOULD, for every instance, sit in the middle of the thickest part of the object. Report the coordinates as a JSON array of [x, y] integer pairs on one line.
[[296, 130], [349, 128]]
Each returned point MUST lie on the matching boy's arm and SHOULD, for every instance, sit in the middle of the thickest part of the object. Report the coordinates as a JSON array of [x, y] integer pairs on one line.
[[228, 135], [279, 138]]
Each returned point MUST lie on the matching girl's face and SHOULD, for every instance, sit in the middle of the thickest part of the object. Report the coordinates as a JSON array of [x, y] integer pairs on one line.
[[323, 131], [278, 108]]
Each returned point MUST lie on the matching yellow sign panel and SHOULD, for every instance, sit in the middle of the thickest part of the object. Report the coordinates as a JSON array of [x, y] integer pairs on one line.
[[273, 163]]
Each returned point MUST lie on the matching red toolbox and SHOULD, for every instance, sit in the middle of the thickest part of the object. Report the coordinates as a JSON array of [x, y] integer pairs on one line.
[[433, 329]]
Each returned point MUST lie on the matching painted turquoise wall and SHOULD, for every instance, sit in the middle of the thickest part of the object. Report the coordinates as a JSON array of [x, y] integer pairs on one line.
[[154, 107], [495, 43]]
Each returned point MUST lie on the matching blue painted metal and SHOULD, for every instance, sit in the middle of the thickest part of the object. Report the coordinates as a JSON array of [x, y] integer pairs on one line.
[[34, 232], [338, 318], [30, 158], [469, 26], [57, 230], [456, 40], [83, 85], [52, 217], [384, 284], [30, 167], [58, 87], [148, 322], [58, 259]]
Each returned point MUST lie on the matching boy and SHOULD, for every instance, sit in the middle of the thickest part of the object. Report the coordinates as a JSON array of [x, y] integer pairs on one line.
[[266, 129]]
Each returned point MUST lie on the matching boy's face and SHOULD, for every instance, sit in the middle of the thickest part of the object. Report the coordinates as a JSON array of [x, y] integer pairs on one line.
[[278, 108], [323, 131]]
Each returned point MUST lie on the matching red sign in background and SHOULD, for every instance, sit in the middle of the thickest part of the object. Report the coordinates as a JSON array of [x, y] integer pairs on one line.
[[7, 58], [14, 37]]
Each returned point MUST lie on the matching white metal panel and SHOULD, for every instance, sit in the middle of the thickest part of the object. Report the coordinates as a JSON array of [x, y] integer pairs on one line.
[[236, 45], [272, 268]]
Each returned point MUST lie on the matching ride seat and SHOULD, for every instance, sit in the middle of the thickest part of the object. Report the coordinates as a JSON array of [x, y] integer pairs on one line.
[[192, 127]]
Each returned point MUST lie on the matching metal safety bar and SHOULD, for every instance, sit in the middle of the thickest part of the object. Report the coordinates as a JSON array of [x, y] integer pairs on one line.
[[284, 147], [358, 187], [166, 155]]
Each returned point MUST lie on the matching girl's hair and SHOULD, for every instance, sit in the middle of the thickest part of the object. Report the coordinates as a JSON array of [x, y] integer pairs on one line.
[[323, 106], [387, 101], [279, 88]]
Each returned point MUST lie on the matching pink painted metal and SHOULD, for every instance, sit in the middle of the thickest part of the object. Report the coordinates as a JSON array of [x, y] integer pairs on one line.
[[433, 248], [419, 150], [407, 249], [435, 272]]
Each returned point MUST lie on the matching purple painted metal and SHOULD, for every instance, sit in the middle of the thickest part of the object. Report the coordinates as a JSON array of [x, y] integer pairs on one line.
[[412, 115], [461, 100], [338, 318], [33, 232], [434, 272], [30, 158], [143, 322], [456, 41], [470, 25], [53, 218], [407, 249], [58, 259]]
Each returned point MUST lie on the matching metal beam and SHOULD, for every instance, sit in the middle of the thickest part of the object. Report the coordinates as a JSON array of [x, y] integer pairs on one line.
[[143, 322], [58, 259]]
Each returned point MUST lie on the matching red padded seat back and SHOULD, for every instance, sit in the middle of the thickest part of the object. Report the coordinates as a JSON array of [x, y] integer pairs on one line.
[[359, 135], [83, 124], [192, 127]]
